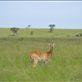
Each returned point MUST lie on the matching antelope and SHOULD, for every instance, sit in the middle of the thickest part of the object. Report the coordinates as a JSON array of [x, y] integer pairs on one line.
[[37, 56]]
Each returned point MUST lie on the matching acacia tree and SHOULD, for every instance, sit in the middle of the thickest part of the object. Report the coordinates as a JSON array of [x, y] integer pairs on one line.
[[14, 30], [28, 26], [51, 27]]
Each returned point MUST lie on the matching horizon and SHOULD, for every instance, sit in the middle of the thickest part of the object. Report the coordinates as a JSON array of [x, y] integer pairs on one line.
[[41, 28], [39, 14]]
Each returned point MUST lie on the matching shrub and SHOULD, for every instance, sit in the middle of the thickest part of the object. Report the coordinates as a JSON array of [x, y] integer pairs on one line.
[[80, 34]]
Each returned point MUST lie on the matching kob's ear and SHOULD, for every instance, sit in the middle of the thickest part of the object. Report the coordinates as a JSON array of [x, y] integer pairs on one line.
[[53, 43]]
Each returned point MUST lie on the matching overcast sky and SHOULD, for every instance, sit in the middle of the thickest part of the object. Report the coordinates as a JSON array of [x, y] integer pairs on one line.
[[39, 14]]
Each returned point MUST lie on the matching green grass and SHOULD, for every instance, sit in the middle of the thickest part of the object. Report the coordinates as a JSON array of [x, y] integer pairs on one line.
[[41, 33], [64, 66]]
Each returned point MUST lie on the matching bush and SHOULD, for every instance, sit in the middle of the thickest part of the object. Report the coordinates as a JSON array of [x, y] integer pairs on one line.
[[32, 32], [79, 35]]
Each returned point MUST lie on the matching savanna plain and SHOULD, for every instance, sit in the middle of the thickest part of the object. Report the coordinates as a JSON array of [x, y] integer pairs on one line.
[[65, 65]]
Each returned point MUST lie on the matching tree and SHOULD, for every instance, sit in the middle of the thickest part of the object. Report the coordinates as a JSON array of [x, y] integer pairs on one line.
[[14, 30], [51, 27], [28, 26]]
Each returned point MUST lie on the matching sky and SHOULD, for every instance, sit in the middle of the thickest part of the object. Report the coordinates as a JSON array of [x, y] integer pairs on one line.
[[39, 14]]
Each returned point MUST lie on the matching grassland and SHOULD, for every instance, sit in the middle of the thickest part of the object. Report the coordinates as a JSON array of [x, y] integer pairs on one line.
[[64, 66]]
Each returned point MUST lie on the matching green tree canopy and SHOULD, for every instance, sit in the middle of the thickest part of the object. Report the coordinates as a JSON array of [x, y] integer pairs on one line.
[[14, 30], [51, 27]]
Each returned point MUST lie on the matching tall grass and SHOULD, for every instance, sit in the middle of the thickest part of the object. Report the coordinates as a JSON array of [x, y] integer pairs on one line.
[[64, 66]]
